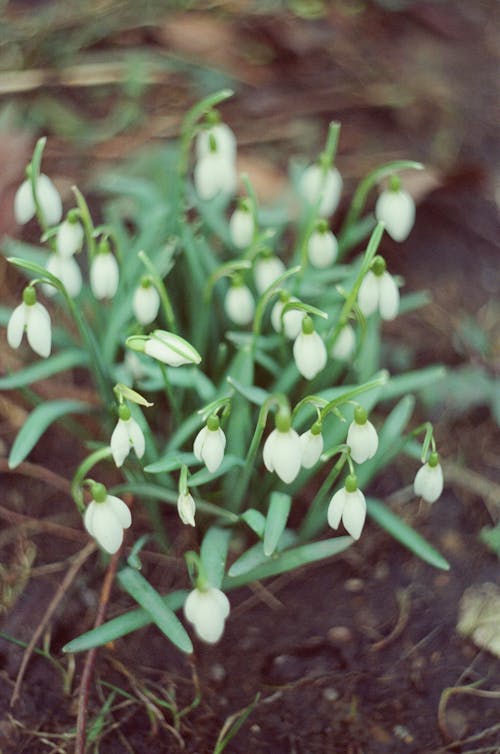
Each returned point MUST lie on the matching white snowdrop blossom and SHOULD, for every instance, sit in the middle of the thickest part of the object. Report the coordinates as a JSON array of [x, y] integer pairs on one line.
[[309, 350], [105, 518], [220, 136], [311, 443], [69, 238], [32, 317], [104, 275], [378, 290], [168, 348], [345, 344], [282, 450], [215, 173], [48, 197], [239, 303], [266, 270], [241, 227], [315, 183], [291, 322], [396, 208], [429, 480], [186, 508], [349, 506], [362, 437], [322, 248], [146, 302], [66, 269], [126, 435], [209, 444], [207, 609]]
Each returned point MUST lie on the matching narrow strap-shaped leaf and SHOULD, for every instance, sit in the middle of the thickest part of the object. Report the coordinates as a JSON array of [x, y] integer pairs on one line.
[[42, 369], [405, 534], [411, 382], [148, 598], [203, 476], [252, 393], [37, 422], [255, 555], [122, 625], [255, 520], [172, 461], [213, 554], [277, 516]]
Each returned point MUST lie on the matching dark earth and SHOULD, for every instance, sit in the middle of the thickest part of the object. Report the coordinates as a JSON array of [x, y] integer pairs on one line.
[[359, 654]]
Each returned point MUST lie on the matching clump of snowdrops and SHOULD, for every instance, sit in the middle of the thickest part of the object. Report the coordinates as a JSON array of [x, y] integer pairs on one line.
[[248, 338]]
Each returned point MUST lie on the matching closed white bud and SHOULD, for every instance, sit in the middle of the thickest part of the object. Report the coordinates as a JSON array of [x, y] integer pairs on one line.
[[209, 444], [146, 303], [429, 480], [215, 173], [266, 270], [170, 349], [220, 136], [282, 453], [69, 238], [378, 290], [316, 183], [32, 317], [362, 437], [104, 275], [290, 323], [68, 272], [396, 209], [349, 506], [126, 435], [239, 304], [309, 351], [207, 609], [312, 447], [106, 518], [345, 344], [241, 228], [322, 249], [48, 199], [186, 508]]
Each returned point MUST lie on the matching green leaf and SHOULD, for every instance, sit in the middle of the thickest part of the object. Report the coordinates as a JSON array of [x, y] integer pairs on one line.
[[37, 422], [42, 369], [412, 382], [276, 519], [247, 562], [288, 560], [252, 393], [255, 520], [122, 625], [213, 554], [405, 534], [171, 462], [161, 615], [204, 476]]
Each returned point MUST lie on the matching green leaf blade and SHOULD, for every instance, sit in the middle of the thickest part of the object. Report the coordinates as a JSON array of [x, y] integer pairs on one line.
[[279, 509]]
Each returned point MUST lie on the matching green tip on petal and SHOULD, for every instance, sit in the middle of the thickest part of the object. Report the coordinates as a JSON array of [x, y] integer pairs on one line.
[[360, 415]]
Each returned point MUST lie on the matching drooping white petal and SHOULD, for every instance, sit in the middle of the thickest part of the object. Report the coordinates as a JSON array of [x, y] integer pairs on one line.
[[368, 294], [315, 183], [136, 436], [336, 508], [397, 210], [186, 508], [429, 482], [120, 443], [225, 141], [24, 203], [16, 325], [214, 174], [146, 304], [322, 249], [388, 297], [120, 510], [69, 238], [241, 228], [239, 304], [209, 447], [266, 270], [49, 200], [345, 345], [362, 440], [102, 523], [207, 610], [309, 353], [104, 276], [312, 448], [68, 272], [38, 329], [354, 513], [282, 453], [292, 320]]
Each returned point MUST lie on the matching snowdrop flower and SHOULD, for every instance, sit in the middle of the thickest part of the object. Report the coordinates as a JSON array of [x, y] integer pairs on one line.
[[429, 479], [282, 450], [242, 226], [362, 436], [146, 302], [209, 444], [207, 609], [348, 505], [104, 273], [239, 304], [218, 137], [309, 350], [396, 208], [34, 318], [166, 347], [66, 269], [214, 174], [379, 291], [126, 435], [267, 269], [316, 184], [106, 517], [311, 443], [322, 247], [69, 237], [48, 197], [345, 345], [186, 508], [291, 322]]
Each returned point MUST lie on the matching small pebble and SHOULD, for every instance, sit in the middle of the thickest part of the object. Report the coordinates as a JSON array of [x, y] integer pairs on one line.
[[340, 635], [217, 672], [330, 694], [354, 585]]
